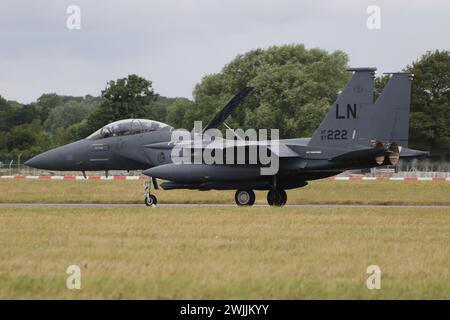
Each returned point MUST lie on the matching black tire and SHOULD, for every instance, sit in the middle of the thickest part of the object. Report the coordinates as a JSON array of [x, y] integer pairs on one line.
[[283, 197], [277, 197], [150, 200], [244, 197]]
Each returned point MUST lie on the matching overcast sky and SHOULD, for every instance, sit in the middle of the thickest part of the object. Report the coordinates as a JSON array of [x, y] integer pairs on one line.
[[176, 42]]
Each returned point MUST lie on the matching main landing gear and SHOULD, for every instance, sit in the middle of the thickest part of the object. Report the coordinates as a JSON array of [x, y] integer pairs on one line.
[[275, 197], [150, 200], [244, 197]]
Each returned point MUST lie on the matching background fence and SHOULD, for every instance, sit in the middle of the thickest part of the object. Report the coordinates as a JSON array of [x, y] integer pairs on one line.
[[415, 168]]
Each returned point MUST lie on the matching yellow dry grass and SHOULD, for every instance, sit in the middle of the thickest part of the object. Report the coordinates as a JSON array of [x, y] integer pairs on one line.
[[340, 192], [224, 252]]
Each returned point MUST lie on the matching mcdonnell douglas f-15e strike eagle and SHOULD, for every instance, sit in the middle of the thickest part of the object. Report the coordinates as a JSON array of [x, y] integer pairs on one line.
[[355, 134]]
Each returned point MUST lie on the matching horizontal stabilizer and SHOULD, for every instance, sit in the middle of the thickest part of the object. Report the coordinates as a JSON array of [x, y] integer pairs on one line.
[[412, 153], [362, 154]]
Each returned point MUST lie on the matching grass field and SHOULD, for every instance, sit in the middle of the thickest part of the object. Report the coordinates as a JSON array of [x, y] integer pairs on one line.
[[172, 252], [340, 192], [225, 252]]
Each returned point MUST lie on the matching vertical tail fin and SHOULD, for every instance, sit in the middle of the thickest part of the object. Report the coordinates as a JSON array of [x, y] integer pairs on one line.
[[348, 116], [390, 115]]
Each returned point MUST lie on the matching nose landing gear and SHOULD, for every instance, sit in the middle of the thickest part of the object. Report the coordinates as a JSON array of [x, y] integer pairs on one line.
[[150, 200]]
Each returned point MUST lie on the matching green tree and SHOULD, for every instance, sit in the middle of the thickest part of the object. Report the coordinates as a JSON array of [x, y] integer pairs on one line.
[[28, 140], [430, 104], [288, 81], [49, 100], [159, 108], [380, 83], [5, 111], [177, 115], [73, 133], [45, 103], [13, 114], [67, 114], [129, 97]]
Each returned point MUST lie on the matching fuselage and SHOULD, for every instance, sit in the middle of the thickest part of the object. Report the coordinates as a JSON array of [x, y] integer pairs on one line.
[[121, 152]]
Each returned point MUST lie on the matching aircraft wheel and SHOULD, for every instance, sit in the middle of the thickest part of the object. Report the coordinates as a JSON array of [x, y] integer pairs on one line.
[[283, 197], [150, 200], [244, 197], [277, 197]]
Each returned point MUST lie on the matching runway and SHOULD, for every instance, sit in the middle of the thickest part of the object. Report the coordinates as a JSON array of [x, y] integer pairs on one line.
[[162, 205]]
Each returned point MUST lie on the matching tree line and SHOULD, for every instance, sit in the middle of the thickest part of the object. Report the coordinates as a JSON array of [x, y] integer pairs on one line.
[[294, 89]]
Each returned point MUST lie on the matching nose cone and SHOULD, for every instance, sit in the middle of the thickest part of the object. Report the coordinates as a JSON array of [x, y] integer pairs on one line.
[[50, 160], [60, 159]]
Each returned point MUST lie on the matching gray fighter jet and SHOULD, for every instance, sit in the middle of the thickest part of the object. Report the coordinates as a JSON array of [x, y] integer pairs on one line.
[[355, 134], [130, 144]]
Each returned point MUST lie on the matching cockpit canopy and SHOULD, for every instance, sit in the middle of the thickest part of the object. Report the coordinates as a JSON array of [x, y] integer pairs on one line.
[[127, 127]]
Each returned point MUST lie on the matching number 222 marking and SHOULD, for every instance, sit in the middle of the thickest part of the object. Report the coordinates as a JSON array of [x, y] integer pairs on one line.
[[336, 135]]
